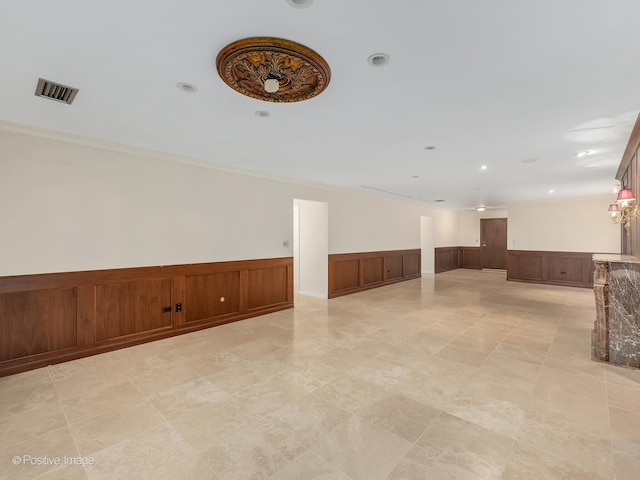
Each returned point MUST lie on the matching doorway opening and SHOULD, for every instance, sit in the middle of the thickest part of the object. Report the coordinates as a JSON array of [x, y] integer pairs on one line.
[[311, 248]]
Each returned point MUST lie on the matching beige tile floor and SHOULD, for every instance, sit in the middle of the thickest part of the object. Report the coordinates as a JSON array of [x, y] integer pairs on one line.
[[458, 376]]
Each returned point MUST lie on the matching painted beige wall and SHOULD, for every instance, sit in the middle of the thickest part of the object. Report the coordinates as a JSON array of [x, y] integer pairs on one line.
[[470, 225], [574, 225], [70, 204], [364, 223]]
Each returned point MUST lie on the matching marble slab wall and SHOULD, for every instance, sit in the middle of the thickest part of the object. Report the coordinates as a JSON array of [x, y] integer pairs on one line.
[[616, 333]]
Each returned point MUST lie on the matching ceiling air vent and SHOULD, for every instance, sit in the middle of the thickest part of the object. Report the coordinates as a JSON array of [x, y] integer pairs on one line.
[[55, 91]]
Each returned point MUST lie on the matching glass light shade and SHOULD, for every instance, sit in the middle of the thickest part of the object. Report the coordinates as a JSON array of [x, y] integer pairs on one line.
[[626, 195], [271, 85]]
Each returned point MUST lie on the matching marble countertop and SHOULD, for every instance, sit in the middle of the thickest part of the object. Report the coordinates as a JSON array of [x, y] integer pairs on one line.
[[611, 258]]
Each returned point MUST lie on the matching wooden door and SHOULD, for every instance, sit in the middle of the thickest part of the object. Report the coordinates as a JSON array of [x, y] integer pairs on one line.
[[493, 241]]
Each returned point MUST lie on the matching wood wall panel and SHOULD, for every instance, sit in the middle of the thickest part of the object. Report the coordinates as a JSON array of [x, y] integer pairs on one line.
[[411, 265], [372, 270], [346, 275], [127, 308], [446, 258], [355, 272], [50, 318], [37, 322], [573, 269], [470, 257], [524, 266], [267, 286], [566, 270], [555, 268], [211, 295], [393, 266], [629, 176]]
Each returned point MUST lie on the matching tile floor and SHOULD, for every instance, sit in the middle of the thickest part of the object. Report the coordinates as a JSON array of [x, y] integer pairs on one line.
[[458, 376]]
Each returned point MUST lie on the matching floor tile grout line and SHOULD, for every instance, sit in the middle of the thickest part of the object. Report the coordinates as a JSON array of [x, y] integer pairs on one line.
[[66, 419]]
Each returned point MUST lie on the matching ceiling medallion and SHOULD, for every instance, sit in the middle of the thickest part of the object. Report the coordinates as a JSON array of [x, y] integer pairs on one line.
[[273, 69]]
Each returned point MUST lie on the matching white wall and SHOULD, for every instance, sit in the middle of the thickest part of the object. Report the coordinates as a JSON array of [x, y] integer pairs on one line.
[[371, 223], [427, 259], [314, 248], [78, 206], [470, 225], [296, 245], [573, 225]]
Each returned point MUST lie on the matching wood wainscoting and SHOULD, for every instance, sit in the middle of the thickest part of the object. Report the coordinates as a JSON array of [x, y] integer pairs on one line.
[[446, 258], [470, 258], [51, 318], [450, 258], [574, 269], [355, 272]]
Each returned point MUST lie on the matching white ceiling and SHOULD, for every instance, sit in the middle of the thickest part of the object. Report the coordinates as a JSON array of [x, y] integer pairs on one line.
[[491, 82]]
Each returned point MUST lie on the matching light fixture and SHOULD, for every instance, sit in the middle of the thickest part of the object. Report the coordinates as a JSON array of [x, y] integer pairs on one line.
[[624, 209], [273, 69], [483, 167], [263, 114], [271, 85], [480, 209], [300, 3], [583, 153], [378, 59], [187, 87]]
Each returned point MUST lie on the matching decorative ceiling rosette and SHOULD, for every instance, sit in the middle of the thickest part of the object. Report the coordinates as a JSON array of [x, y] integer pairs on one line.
[[273, 69]]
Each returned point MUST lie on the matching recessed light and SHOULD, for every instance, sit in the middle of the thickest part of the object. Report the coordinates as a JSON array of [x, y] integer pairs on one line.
[[430, 147], [480, 209], [263, 114], [583, 153], [551, 190], [300, 3], [415, 176], [438, 201], [378, 59], [483, 167], [530, 160], [187, 87]]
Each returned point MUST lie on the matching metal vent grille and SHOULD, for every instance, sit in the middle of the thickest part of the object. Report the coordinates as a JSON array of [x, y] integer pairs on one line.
[[56, 91]]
